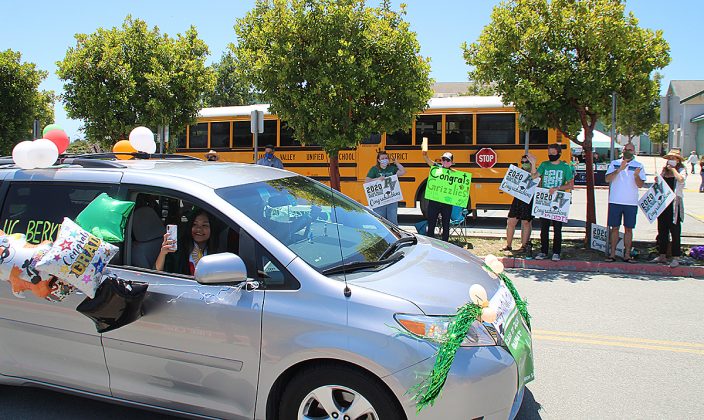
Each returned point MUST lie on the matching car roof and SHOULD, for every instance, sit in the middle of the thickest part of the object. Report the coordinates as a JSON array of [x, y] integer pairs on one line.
[[210, 174]]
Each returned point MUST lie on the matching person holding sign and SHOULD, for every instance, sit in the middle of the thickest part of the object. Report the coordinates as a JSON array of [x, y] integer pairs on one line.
[[379, 172], [436, 208], [556, 175], [625, 176], [520, 210], [670, 220]]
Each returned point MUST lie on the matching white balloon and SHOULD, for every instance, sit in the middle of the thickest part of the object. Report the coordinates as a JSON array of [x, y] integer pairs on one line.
[[488, 314], [142, 139], [22, 154], [477, 293], [497, 266], [44, 153], [489, 259]]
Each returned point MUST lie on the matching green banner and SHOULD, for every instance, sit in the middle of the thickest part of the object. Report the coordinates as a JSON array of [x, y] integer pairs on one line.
[[448, 186], [518, 341]]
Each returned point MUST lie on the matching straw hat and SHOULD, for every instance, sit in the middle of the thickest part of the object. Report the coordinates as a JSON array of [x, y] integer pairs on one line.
[[674, 154], [211, 153]]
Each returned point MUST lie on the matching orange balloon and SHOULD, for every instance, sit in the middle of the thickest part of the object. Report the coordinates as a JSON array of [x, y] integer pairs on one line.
[[123, 146]]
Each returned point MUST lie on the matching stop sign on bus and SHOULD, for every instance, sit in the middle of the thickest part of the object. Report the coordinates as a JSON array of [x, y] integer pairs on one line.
[[486, 157]]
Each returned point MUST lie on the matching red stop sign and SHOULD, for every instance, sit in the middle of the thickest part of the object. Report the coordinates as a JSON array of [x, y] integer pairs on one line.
[[486, 157]]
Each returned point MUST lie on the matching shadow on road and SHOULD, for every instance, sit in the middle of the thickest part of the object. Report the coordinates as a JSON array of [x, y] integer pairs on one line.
[[530, 408], [577, 277]]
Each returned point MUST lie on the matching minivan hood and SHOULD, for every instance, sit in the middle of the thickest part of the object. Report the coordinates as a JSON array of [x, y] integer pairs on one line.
[[434, 275]]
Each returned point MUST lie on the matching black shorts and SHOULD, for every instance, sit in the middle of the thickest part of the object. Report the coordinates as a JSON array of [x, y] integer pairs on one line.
[[521, 210]]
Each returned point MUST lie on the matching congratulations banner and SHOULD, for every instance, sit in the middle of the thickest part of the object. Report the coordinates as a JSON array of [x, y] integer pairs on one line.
[[448, 186]]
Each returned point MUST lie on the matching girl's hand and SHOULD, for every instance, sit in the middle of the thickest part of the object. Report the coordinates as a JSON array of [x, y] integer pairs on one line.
[[167, 246]]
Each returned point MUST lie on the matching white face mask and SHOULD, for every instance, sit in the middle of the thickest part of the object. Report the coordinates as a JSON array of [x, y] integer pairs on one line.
[[672, 162], [383, 162]]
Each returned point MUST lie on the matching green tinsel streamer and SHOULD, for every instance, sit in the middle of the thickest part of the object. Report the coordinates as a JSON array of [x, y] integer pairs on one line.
[[427, 391], [521, 305]]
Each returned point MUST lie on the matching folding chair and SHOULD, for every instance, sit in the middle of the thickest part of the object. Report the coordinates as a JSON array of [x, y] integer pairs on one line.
[[458, 223]]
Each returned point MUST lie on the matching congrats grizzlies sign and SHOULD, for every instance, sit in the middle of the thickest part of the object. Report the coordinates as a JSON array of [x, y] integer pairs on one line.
[[656, 199], [519, 184], [448, 186], [551, 206]]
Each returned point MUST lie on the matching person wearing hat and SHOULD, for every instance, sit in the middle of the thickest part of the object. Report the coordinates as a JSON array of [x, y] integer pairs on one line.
[[211, 156], [436, 208], [670, 220]]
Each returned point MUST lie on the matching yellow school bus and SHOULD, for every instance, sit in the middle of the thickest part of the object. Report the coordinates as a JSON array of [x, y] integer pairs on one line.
[[463, 125]]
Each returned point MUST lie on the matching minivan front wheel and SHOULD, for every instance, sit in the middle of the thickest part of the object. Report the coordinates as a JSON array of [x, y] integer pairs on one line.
[[336, 393]]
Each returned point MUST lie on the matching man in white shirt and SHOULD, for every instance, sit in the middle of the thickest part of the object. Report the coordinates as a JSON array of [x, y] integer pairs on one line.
[[625, 176], [693, 159]]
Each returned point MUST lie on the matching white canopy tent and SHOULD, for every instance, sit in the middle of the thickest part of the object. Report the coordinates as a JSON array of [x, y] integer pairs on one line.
[[599, 141]]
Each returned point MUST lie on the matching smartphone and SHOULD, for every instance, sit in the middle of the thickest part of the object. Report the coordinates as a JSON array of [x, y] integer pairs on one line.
[[424, 145], [172, 231]]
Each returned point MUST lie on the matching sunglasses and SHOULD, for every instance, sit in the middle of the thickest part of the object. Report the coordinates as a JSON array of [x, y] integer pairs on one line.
[[525, 161], [446, 159]]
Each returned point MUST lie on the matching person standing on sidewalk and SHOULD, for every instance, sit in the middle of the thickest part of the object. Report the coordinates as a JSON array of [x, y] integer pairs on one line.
[[693, 159], [625, 176], [520, 210], [557, 175], [701, 173], [436, 208], [670, 220], [378, 172]]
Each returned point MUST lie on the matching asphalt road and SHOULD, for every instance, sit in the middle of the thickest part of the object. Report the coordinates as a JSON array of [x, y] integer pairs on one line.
[[605, 346]]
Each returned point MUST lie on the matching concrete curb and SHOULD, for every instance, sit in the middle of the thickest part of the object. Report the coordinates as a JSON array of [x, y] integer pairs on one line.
[[605, 267]]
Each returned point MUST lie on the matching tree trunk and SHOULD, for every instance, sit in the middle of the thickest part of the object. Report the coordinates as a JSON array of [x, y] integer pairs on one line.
[[589, 160], [334, 171]]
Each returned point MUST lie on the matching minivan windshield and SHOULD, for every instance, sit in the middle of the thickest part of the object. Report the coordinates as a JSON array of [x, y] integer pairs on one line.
[[320, 225]]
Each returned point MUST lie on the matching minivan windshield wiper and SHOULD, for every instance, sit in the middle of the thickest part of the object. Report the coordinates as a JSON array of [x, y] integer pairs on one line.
[[400, 243], [360, 265]]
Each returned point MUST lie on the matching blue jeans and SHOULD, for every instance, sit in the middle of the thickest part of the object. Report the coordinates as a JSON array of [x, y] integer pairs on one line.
[[389, 212]]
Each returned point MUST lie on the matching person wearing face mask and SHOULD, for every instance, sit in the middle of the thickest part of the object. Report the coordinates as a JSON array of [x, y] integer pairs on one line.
[[269, 159], [520, 210], [379, 172], [211, 156], [556, 175], [436, 208], [624, 176], [670, 220]]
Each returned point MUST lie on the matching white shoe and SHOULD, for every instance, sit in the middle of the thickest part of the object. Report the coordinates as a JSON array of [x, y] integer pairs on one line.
[[541, 256], [674, 263], [556, 257]]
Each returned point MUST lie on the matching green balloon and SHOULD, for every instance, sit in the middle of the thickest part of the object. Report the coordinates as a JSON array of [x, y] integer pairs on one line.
[[51, 127], [106, 218]]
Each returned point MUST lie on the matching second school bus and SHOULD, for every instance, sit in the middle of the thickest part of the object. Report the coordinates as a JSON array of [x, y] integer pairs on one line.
[[462, 125]]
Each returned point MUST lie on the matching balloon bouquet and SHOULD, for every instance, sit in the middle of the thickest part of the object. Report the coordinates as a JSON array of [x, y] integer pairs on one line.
[[41, 153], [141, 139]]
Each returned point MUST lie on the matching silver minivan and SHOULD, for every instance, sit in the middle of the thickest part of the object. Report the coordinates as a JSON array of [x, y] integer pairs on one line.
[[294, 313]]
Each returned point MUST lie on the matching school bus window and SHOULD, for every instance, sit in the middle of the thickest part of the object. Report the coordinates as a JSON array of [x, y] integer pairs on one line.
[[537, 136], [458, 129], [182, 140], [288, 137], [374, 138], [399, 138], [220, 134], [241, 134], [496, 128], [269, 134], [429, 126], [198, 136]]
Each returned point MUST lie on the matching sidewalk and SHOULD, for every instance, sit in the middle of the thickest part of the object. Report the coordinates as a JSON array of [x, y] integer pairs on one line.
[[650, 269]]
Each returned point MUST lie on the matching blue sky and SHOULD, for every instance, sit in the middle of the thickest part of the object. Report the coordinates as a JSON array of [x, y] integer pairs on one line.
[[43, 30]]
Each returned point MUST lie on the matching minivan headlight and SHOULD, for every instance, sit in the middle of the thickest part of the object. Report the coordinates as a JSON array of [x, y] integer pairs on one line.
[[435, 327]]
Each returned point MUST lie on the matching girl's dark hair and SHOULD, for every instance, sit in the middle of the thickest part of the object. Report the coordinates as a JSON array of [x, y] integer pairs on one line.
[[188, 239], [378, 155]]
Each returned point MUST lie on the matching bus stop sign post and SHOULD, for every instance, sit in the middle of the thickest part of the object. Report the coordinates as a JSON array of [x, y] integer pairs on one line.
[[256, 127]]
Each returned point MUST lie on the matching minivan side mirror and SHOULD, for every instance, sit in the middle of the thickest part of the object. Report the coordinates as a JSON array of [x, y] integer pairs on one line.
[[224, 267]]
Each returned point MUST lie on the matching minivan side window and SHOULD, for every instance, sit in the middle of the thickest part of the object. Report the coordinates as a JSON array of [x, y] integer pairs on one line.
[[154, 211], [37, 209]]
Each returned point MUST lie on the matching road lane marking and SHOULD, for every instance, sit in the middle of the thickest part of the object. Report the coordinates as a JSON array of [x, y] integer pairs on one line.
[[617, 338], [617, 344]]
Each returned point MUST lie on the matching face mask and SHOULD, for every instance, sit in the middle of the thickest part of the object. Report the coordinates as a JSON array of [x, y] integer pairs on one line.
[[526, 166], [268, 155], [383, 162], [627, 154], [672, 162], [553, 158]]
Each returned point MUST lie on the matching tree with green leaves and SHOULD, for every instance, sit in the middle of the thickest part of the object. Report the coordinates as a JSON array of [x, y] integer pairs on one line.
[[120, 78], [334, 70], [229, 89], [558, 62], [635, 116], [658, 133], [21, 101], [480, 89]]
